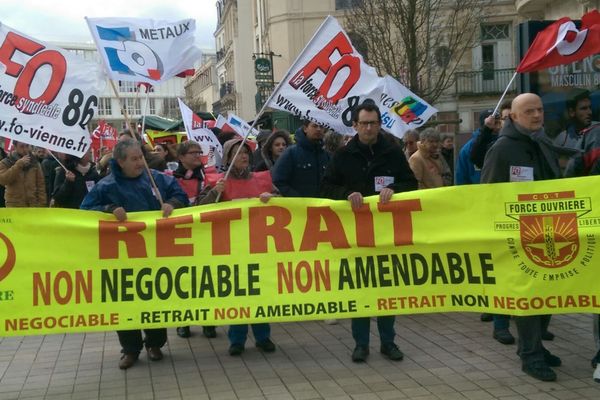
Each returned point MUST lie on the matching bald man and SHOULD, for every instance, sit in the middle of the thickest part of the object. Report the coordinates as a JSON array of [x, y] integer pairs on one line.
[[523, 153]]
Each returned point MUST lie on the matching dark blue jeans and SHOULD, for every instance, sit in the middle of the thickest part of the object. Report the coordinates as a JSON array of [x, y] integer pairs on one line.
[[361, 327], [530, 329], [501, 322], [238, 333]]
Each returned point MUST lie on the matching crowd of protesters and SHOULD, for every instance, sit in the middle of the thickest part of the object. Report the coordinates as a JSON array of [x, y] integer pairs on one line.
[[313, 162]]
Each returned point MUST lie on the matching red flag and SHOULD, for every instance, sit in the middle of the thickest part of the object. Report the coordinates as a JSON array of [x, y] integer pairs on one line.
[[103, 136], [562, 43], [186, 72]]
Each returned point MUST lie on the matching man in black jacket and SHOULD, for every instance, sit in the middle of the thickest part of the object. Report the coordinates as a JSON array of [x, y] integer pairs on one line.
[[524, 153], [368, 165]]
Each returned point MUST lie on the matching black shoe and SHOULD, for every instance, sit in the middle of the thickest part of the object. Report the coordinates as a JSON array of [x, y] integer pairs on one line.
[[547, 336], [551, 359], [209, 332], [539, 370], [184, 332], [504, 336], [236, 349], [392, 352], [596, 359], [266, 345], [485, 317], [360, 354]]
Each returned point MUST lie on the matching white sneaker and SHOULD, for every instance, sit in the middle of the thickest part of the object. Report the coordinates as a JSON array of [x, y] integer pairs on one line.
[[596, 375], [331, 321]]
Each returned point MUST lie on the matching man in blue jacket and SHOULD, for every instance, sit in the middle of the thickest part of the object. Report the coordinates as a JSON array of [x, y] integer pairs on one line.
[[299, 170], [128, 189]]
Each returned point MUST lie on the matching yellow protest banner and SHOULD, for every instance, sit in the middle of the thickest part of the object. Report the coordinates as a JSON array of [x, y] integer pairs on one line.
[[518, 248]]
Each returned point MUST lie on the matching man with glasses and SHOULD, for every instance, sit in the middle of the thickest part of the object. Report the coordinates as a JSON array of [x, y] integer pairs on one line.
[[369, 165]]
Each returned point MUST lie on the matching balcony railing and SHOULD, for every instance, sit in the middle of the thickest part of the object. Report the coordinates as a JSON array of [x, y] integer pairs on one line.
[[492, 81]]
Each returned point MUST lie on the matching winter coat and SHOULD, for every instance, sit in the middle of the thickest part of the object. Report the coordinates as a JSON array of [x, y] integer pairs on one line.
[[239, 184], [191, 181], [354, 168], [49, 165], [482, 143], [69, 194], [300, 169], [466, 172], [517, 149], [587, 162], [133, 194], [430, 172], [25, 185]]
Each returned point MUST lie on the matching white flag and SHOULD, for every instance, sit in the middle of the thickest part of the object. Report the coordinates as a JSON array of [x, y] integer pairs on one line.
[[197, 131], [145, 50], [241, 127], [49, 94], [330, 79]]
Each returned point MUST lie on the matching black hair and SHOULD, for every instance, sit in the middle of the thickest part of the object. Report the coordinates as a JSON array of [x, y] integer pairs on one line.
[[576, 98], [366, 106]]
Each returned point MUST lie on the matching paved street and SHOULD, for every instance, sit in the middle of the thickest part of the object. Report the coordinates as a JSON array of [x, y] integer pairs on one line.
[[447, 356]]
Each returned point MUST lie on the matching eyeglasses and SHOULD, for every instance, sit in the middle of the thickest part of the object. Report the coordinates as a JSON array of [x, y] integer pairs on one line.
[[194, 153], [367, 123]]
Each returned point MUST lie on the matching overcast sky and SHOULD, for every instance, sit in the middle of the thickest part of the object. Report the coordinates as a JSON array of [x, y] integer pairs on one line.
[[63, 20]]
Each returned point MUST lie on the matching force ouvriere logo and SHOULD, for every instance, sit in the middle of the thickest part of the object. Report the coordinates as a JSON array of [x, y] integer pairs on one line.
[[548, 225]]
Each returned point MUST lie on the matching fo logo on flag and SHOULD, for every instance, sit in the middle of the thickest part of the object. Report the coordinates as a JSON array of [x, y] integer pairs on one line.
[[128, 56], [548, 226]]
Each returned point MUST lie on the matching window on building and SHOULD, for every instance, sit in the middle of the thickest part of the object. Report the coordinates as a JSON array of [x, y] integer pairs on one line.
[[104, 106], [127, 87], [345, 4], [133, 106], [151, 107], [487, 61], [170, 108], [495, 32]]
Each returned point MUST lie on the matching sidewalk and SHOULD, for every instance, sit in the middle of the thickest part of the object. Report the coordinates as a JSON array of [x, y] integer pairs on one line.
[[447, 356]]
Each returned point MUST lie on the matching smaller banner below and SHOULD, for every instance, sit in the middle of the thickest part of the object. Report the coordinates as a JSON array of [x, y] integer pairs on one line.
[[198, 130]]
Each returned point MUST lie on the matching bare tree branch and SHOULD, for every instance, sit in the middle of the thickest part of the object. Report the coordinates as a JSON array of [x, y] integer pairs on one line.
[[419, 42]]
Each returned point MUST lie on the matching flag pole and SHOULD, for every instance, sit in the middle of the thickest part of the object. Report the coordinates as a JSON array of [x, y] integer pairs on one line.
[[134, 131], [57, 160], [264, 106], [144, 111], [123, 109], [504, 94]]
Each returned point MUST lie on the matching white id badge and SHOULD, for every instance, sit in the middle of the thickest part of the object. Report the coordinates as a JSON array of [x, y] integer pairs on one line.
[[383, 182], [521, 174], [89, 185]]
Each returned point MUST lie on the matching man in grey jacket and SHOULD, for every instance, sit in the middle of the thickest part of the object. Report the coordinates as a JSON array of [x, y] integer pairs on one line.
[[524, 153]]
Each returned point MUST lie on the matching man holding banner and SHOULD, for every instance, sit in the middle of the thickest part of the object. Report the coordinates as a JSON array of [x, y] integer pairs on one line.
[[128, 189], [367, 165], [522, 153]]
